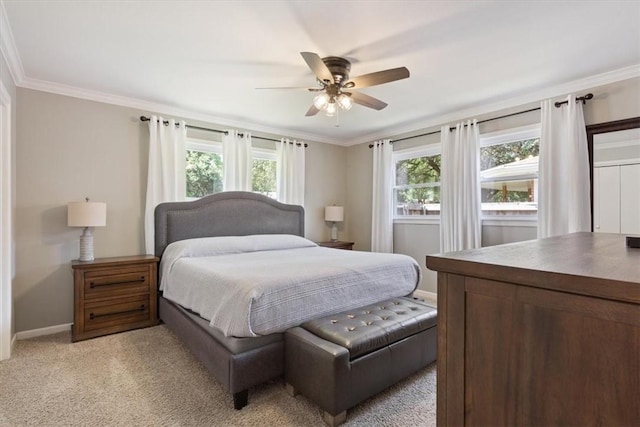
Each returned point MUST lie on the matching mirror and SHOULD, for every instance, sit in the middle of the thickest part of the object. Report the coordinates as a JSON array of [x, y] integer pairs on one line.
[[614, 154]]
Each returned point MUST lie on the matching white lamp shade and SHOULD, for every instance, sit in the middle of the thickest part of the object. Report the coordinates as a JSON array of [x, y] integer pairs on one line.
[[86, 214], [334, 213]]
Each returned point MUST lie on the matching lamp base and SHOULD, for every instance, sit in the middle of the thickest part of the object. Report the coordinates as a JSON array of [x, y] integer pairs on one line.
[[86, 245], [334, 232]]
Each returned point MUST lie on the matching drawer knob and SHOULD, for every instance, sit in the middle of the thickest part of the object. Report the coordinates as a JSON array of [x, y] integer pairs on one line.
[[135, 310]]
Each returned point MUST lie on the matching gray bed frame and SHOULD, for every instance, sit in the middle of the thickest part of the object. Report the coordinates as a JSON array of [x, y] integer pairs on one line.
[[237, 363]]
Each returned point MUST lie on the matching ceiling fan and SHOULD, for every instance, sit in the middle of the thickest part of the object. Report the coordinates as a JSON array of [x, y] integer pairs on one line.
[[337, 88]]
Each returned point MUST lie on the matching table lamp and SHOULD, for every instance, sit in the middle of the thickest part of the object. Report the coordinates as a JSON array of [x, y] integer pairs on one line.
[[86, 214], [334, 214]]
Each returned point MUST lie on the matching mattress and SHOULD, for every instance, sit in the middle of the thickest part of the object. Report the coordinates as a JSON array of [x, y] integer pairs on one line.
[[248, 286]]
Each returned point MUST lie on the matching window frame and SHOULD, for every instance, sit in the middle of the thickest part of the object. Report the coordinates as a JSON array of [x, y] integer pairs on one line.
[[262, 153], [215, 147], [204, 146], [428, 150], [506, 136]]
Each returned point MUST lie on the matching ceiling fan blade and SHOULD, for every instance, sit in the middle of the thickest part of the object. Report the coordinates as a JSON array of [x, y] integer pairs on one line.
[[367, 101], [377, 78], [317, 66], [312, 111], [310, 89]]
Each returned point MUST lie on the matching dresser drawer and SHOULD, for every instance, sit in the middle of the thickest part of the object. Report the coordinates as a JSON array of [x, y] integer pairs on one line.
[[115, 282], [117, 313]]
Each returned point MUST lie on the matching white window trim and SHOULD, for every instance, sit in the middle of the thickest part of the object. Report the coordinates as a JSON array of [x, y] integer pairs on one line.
[[203, 145], [428, 150], [264, 154], [510, 135], [504, 137]]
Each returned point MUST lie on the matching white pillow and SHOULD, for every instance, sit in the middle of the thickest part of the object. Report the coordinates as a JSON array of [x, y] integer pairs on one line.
[[209, 246]]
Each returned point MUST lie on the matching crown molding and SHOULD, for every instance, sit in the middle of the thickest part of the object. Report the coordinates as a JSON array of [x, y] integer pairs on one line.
[[591, 82], [413, 126], [8, 48], [153, 107]]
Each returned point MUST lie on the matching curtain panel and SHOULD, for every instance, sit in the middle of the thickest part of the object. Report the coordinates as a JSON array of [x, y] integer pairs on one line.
[[237, 161], [290, 171], [382, 197], [460, 201], [563, 179], [166, 180]]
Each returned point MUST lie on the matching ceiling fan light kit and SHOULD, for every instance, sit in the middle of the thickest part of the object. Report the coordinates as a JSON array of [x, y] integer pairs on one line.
[[332, 74]]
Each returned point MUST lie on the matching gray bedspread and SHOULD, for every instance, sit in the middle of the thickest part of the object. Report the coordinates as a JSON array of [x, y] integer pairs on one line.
[[258, 285]]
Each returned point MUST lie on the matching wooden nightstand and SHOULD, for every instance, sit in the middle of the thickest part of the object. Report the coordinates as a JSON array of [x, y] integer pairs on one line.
[[114, 295], [337, 245]]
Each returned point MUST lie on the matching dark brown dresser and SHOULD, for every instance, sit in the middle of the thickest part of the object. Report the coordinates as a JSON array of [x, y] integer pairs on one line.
[[114, 295], [543, 332]]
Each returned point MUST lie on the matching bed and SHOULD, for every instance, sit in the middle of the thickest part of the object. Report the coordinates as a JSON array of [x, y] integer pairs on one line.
[[238, 358]]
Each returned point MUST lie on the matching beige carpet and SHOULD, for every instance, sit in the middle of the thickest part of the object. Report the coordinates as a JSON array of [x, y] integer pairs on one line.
[[147, 378]]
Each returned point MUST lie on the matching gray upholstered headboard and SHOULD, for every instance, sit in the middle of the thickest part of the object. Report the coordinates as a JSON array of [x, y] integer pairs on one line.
[[231, 213]]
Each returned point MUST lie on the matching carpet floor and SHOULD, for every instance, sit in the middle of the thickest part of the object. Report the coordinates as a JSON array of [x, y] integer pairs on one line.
[[147, 378]]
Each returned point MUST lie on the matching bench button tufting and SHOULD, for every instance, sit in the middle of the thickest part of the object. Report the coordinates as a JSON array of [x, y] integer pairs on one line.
[[385, 318], [413, 308], [334, 321], [350, 316], [401, 312], [351, 328], [369, 323]]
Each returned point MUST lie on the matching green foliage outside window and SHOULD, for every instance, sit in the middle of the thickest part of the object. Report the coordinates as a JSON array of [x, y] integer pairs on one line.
[[204, 173], [501, 154], [418, 170], [264, 176]]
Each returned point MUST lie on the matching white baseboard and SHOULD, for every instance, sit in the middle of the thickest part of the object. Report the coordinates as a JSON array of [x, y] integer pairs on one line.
[[14, 338], [43, 331], [426, 295]]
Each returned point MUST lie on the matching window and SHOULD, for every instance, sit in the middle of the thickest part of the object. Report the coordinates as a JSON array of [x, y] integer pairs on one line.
[[204, 169], [417, 182], [264, 172], [509, 171]]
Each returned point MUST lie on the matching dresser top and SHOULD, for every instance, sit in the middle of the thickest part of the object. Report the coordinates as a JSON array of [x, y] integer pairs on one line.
[[590, 263]]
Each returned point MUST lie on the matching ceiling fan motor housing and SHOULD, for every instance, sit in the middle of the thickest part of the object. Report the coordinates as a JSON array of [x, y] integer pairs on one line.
[[339, 68]]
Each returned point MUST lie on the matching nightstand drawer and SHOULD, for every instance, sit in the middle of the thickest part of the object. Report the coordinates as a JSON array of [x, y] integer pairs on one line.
[[114, 295], [116, 313], [114, 282]]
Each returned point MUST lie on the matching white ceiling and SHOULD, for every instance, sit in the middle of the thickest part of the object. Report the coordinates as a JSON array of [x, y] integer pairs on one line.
[[208, 58]]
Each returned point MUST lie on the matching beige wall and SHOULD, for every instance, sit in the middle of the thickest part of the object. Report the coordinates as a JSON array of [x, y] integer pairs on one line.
[[615, 101], [70, 148]]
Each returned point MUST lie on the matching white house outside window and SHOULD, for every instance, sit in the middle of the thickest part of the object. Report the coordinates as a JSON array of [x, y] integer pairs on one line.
[[509, 171]]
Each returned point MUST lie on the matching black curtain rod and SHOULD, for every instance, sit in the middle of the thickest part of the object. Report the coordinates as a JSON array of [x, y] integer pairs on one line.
[[166, 123], [557, 104]]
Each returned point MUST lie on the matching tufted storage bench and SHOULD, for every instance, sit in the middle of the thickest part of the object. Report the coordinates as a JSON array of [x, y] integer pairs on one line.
[[340, 360]]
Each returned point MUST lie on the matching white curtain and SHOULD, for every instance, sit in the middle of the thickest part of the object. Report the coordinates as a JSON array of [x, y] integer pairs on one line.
[[166, 179], [237, 161], [460, 205], [290, 171], [382, 200], [563, 177]]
